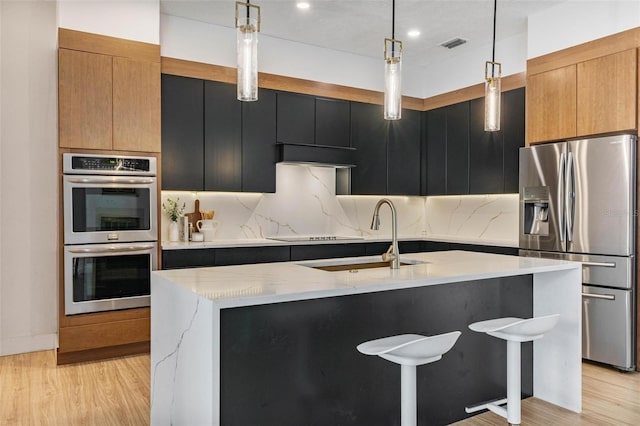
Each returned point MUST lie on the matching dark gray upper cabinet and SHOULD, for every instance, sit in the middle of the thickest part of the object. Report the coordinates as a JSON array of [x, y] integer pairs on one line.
[[213, 142], [369, 137], [436, 152], [403, 155], [222, 138], [182, 133], [259, 152], [513, 112], [493, 166], [296, 118], [447, 150], [332, 122], [461, 158], [304, 119], [486, 174], [458, 149]]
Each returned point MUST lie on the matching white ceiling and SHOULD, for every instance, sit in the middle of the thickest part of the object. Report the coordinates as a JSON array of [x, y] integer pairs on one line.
[[360, 26]]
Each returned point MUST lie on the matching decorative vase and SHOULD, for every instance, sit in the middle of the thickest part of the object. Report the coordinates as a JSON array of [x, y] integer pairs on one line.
[[174, 231]]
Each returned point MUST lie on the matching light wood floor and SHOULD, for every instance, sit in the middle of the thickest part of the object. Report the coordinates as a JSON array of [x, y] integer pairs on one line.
[[34, 391]]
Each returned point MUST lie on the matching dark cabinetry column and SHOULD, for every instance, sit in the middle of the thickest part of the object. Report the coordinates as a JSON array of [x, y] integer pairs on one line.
[[182, 133], [332, 122], [222, 138], [458, 149], [486, 157], [513, 133], [368, 136], [259, 152], [403, 151], [436, 152], [296, 118]]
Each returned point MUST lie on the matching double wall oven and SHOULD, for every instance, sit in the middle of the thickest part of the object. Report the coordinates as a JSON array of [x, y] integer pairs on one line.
[[110, 231]]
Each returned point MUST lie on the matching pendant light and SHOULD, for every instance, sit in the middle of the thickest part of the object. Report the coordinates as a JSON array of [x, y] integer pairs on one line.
[[247, 29], [492, 86], [392, 72]]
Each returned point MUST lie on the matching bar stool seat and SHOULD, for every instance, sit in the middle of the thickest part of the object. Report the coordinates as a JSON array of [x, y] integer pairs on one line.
[[514, 331], [410, 350]]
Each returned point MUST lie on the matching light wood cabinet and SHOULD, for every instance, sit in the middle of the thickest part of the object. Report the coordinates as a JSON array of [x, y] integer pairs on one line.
[[85, 100], [136, 105], [607, 93], [108, 102], [591, 97], [551, 105]]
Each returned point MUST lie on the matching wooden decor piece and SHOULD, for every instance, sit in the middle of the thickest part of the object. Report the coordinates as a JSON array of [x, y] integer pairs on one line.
[[195, 216]]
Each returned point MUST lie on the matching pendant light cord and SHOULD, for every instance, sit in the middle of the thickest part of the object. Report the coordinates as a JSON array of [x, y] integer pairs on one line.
[[493, 52], [393, 27], [248, 13]]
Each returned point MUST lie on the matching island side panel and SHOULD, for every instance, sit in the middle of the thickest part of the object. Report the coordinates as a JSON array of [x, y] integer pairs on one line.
[[182, 358], [558, 356], [296, 363]]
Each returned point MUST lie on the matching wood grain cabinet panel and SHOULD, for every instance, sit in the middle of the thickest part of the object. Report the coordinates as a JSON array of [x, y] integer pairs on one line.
[[607, 93], [136, 105], [551, 105], [85, 100]]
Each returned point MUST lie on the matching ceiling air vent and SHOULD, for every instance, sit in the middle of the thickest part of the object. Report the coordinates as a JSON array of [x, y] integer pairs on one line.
[[454, 42]]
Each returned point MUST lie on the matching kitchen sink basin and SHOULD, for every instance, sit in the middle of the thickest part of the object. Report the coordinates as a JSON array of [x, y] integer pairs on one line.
[[341, 265]]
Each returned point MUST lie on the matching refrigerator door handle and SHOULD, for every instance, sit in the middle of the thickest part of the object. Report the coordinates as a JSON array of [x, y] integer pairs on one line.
[[601, 264], [599, 296], [570, 196], [561, 196]]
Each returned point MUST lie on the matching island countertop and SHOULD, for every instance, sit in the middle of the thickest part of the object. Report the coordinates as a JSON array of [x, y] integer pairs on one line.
[[256, 284]]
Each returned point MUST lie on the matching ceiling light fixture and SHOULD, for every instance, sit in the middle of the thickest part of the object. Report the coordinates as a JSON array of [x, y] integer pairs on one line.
[[247, 29], [392, 72], [492, 86], [413, 33], [303, 5]]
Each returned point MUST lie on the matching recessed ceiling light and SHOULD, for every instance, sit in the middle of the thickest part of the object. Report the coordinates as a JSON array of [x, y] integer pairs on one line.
[[413, 33], [303, 5]]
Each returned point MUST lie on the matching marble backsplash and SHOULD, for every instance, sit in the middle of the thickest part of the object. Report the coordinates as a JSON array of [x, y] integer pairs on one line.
[[305, 203]]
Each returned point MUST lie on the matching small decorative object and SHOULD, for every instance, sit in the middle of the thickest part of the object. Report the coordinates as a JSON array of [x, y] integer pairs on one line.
[[174, 210]]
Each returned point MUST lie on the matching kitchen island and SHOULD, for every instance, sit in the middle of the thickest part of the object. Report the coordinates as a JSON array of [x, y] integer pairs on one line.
[[274, 344]]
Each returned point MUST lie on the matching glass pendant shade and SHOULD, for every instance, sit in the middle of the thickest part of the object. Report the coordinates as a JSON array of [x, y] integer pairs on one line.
[[247, 29], [492, 100], [393, 80]]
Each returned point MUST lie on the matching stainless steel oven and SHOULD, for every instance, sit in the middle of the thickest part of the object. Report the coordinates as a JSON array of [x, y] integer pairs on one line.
[[104, 277], [109, 199], [110, 231]]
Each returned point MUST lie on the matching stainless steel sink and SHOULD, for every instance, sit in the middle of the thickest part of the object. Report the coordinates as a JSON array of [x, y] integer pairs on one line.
[[342, 265]]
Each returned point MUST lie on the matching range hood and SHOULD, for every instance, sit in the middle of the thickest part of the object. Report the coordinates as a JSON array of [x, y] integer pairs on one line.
[[316, 155]]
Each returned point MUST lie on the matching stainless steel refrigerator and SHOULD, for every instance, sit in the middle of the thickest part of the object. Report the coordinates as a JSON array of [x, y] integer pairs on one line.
[[578, 202]]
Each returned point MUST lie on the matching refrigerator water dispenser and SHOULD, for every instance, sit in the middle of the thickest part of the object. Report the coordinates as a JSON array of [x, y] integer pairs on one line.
[[536, 211]]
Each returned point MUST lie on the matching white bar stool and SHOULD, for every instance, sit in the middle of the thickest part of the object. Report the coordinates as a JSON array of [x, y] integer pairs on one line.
[[514, 331], [410, 350]]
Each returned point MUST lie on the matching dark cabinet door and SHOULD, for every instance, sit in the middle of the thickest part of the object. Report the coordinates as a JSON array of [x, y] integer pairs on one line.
[[182, 133], [436, 152], [222, 138], [512, 113], [486, 175], [192, 258], [296, 118], [458, 149], [259, 152], [245, 255], [403, 163], [332, 122], [326, 251], [369, 137]]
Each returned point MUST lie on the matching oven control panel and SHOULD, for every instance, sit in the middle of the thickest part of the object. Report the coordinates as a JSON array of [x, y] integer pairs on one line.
[[111, 165]]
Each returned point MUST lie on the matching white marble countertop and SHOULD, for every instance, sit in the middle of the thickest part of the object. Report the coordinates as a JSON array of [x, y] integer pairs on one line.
[[263, 242], [255, 284]]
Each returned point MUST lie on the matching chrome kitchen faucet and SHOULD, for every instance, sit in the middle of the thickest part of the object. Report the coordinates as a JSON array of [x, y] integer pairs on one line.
[[392, 255]]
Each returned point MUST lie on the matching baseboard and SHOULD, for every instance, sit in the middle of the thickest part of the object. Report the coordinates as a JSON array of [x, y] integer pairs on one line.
[[23, 344]]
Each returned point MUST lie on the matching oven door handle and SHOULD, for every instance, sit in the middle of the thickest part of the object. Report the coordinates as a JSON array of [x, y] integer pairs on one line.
[[111, 179], [112, 249]]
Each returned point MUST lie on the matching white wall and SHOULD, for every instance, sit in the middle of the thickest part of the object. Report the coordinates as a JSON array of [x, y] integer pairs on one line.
[[134, 19], [212, 44], [572, 23], [28, 184]]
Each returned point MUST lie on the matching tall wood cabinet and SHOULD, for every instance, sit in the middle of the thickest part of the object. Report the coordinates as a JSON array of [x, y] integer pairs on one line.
[[586, 98], [108, 100]]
